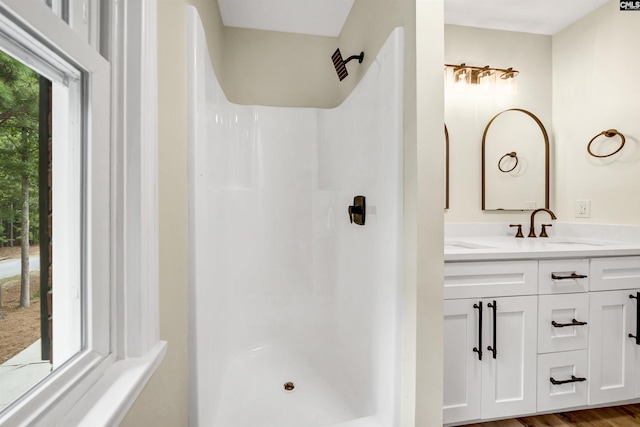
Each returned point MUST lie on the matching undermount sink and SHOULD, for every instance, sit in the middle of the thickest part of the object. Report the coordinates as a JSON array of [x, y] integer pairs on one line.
[[554, 244], [573, 243], [464, 245]]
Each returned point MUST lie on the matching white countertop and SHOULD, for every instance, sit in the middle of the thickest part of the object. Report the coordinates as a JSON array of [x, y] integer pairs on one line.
[[484, 242]]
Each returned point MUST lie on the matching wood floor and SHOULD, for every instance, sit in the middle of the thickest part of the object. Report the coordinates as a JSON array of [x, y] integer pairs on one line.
[[619, 416]]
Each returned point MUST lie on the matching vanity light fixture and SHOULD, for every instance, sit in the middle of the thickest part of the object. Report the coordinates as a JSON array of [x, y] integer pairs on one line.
[[509, 77], [461, 75], [464, 74]]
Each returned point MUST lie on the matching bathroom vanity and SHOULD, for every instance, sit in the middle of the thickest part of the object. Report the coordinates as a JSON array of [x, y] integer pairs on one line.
[[538, 325]]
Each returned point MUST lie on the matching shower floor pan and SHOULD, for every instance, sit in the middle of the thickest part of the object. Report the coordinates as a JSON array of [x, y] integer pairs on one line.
[[257, 392]]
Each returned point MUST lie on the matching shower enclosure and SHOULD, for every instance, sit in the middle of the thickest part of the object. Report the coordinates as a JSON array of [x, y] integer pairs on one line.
[[295, 313]]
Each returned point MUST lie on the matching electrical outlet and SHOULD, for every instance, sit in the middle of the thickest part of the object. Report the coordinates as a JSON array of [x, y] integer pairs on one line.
[[530, 205], [583, 208]]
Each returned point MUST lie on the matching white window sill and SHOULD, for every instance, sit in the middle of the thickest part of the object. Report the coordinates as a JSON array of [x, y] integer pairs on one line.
[[110, 398]]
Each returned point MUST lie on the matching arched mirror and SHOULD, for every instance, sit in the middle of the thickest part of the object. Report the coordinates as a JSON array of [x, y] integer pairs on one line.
[[515, 162]]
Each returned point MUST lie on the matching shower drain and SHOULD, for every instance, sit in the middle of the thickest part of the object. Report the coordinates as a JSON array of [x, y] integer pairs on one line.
[[289, 386]]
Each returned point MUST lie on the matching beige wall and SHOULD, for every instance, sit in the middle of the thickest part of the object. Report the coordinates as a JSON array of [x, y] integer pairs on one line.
[[270, 68], [280, 69], [596, 87], [467, 113]]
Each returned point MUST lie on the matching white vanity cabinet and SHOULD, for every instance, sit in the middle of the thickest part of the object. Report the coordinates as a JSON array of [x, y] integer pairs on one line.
[[562, 336], [489, 342], [567, 321]]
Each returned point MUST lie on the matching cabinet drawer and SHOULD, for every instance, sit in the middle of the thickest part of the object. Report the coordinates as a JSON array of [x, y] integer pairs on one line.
[[563, 276], [561, 367], [486, 279], [563, 310], [614, 273]]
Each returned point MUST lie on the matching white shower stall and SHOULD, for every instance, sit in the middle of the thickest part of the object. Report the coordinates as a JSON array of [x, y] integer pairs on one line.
[[295, 313]]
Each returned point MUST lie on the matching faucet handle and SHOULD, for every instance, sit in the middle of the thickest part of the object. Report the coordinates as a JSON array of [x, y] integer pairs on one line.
[[519, 232], [543, 233]]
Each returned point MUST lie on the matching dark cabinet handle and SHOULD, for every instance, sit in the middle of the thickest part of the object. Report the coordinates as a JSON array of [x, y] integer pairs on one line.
[[573, 379], [478, 349], [637, 335], [574, 322], [573, 275], [493, 348]]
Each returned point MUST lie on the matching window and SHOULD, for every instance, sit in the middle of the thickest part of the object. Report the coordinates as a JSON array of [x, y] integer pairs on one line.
[[103, 163], [80, 198], [25, 145]]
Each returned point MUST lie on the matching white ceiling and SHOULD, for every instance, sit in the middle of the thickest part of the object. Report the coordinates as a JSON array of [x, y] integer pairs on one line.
[[326, 17], [527, 16], [317, 17]]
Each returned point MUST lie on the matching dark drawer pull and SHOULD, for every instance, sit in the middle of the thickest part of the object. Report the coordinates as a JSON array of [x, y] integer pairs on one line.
[[478, 349], [574, 322], [573, 379], [637, 335], [573, 275], [494, 348]]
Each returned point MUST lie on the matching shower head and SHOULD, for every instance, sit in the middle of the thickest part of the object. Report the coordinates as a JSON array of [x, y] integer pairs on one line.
[[340, 64]]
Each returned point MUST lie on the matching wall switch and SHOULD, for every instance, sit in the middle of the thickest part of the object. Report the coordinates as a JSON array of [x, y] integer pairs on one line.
[[583, 208]]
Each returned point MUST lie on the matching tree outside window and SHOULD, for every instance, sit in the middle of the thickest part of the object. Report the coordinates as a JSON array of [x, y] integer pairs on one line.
[[19, 124]]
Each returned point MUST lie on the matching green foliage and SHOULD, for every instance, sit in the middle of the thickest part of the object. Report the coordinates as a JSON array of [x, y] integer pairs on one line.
[[19, 122]]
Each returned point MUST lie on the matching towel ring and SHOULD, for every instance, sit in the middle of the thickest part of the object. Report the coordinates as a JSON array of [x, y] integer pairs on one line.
[[513, 155], [609, 134]]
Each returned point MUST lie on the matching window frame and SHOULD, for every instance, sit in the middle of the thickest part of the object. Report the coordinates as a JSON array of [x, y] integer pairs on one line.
[[121, 346]]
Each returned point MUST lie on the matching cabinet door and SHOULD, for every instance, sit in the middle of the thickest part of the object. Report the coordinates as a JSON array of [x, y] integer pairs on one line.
[[462, 367], [611, 351], [509, 379]]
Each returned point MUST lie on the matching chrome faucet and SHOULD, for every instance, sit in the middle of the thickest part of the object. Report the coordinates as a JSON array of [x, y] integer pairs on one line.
[[532, 229]]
